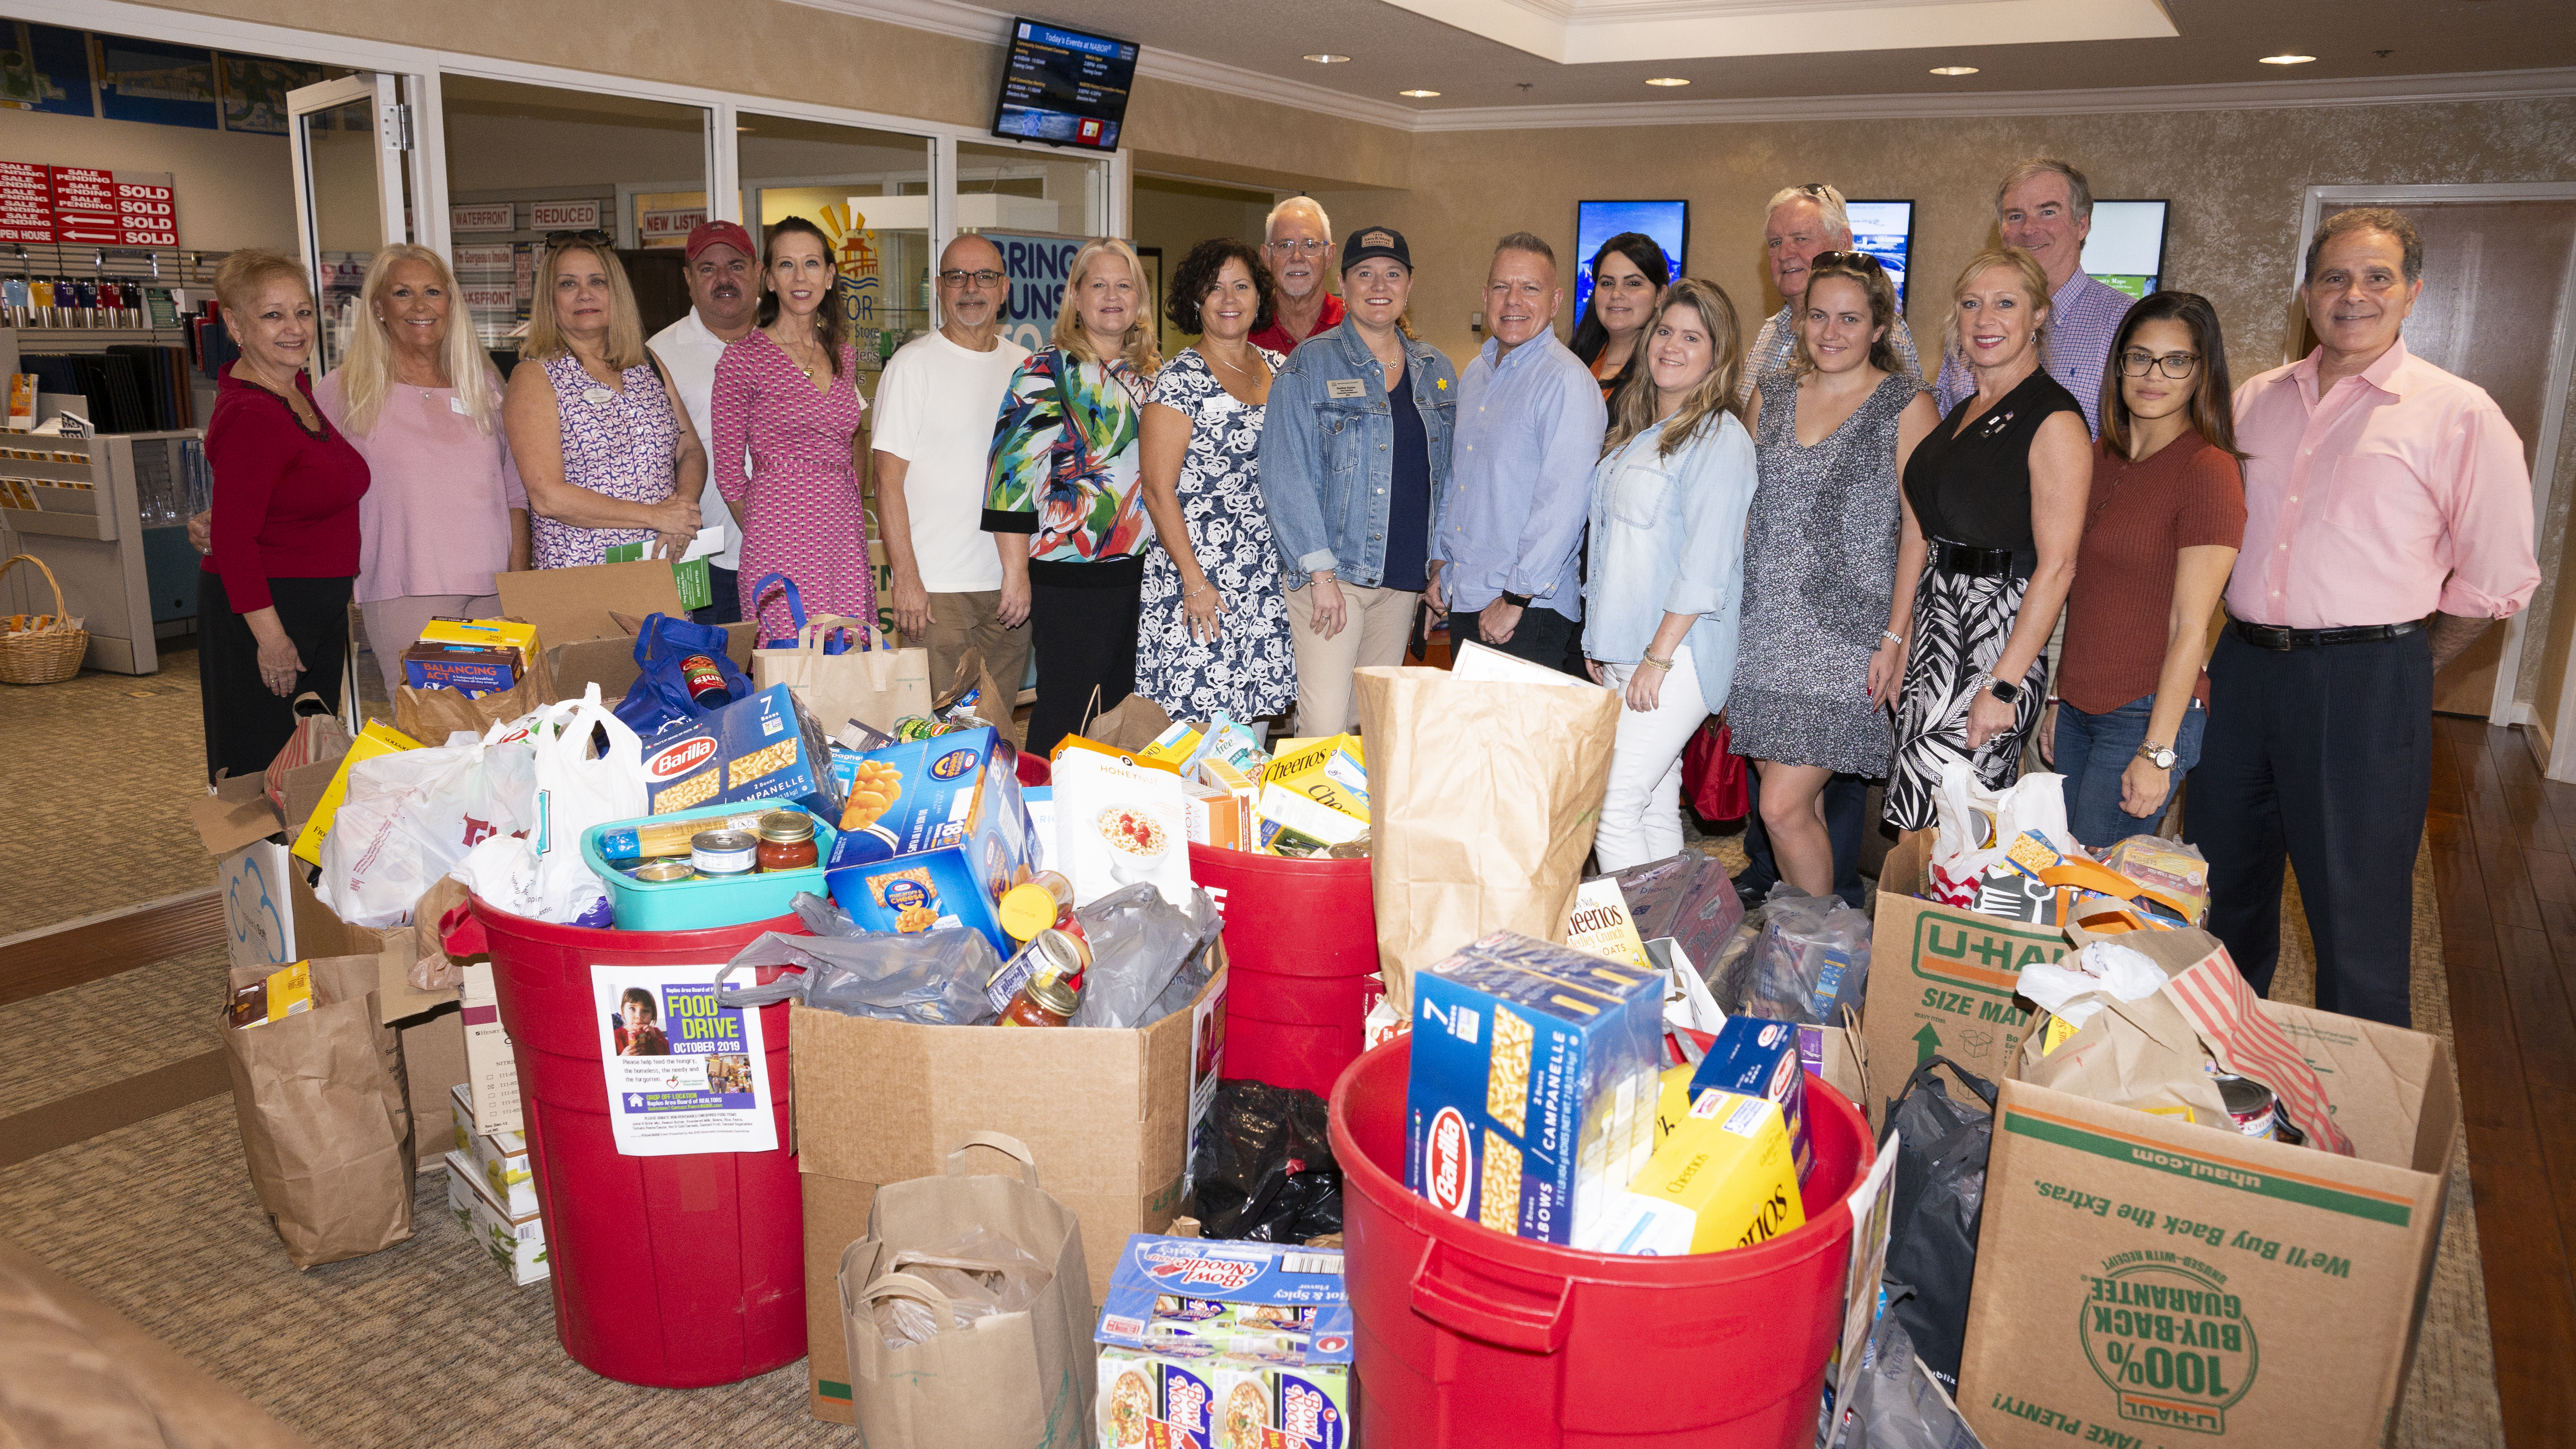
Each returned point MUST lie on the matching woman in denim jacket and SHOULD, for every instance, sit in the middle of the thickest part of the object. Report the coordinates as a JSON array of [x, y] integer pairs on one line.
[[1666, 573], [1353, 477]]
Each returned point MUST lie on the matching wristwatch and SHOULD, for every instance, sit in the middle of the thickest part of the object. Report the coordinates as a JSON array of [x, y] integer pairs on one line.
[[2005, 689], [2160, 756], [1517, 601]]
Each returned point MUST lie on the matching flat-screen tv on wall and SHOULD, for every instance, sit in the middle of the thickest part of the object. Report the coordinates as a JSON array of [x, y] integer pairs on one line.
[[1885, 230], [2126, 248], [1064, 87], [1595, 222]]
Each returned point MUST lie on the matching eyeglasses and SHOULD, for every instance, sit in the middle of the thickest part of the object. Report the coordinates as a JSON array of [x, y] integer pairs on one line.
[[959, 277], [557, 240], [1305, 247], [2175, 365], [1857, 261]]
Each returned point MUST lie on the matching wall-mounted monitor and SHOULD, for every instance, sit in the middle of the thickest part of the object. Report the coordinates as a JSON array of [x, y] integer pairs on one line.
[[2126, 248], [1885, 230], [1064, 87], [1595, 222]]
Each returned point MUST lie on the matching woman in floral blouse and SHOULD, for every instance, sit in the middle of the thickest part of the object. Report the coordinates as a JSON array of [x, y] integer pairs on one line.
[[1061, 491]]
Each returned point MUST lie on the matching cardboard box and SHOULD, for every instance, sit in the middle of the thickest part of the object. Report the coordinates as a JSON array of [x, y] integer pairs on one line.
[[245, 834], [1723, 1179], [577, 614], [1107, 1115], [2144, 1281], [499, 1161], [1759, 1058], [1941, 980], [1266, 1352], [1330, 771], [476, 669], [378, 738], [491, 1071], [954, 837], [766, 747], [515, 1242]]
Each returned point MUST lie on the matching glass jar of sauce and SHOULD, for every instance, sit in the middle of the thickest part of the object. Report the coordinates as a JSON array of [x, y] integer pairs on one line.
[[1045, 1001], [787, 840]]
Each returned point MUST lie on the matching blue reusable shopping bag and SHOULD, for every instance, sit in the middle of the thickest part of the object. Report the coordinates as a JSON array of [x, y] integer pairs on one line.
[[836, 642], [659, 697]]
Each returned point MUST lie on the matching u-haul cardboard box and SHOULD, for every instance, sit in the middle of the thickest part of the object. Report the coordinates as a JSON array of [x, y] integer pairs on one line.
[[1941, 982]]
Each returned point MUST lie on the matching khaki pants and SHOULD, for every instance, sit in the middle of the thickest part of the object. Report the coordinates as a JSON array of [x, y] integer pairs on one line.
[[959, 622], [1380, 624]]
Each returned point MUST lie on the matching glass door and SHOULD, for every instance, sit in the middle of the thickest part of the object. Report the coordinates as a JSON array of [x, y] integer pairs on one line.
[[347, 138]]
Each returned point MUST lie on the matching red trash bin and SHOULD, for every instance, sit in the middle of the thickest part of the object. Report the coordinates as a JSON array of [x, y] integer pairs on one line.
[[1466, 1336], [1301, 941], [674, 1272]]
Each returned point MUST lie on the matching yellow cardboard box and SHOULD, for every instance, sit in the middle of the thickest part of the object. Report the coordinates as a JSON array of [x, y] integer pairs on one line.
[[1330, 771], [377, 739], [1725, 1178]]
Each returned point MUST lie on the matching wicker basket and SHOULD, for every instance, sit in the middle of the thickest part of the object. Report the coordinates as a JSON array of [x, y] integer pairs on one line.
[[46, 658]]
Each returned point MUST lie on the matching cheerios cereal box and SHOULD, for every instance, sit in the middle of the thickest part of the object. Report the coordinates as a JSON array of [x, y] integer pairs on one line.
[[765, 746], [1534, 1084], [933, 832]]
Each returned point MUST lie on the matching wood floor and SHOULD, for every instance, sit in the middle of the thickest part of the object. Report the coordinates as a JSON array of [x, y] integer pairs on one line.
[[2507, 884]]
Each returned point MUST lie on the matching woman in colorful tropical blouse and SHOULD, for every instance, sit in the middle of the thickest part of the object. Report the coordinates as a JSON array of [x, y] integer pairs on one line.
[[1061, 495]]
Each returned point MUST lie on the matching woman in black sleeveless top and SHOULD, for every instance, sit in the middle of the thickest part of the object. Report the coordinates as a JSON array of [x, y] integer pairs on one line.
[[1995, 499]]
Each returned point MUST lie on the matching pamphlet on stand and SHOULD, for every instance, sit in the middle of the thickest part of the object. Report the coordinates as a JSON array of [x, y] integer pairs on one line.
[[684, 1074]]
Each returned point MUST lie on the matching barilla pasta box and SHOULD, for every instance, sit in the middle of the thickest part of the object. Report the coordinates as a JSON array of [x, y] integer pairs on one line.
[[1757, 1058], [765, 746], [1724, 1179], [1534, 1084], [935, 833], [1209, 1344]]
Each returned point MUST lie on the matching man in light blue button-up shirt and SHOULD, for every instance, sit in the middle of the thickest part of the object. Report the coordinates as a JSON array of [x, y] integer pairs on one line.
[[1510, 521]]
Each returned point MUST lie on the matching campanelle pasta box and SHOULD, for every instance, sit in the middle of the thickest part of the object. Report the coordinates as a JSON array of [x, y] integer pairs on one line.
[[1535, 1077], [935, 832], [766, 746], [1208, 1344]]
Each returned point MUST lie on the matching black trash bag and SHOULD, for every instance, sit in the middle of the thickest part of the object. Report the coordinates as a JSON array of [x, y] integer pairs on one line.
[[1891, 1400], [1940, 1187], [1264, 1166]]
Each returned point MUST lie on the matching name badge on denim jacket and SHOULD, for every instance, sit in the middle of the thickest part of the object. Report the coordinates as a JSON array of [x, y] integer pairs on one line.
[[1345, 387]]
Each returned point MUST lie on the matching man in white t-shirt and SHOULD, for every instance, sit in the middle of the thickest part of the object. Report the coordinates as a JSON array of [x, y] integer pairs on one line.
[[936, 405], [722, 266]]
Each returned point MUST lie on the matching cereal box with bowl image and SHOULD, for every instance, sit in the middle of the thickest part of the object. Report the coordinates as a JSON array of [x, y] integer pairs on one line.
[[933, 833], [1117, 824], [765, 746], [1536, 1070], [1225, 1345]]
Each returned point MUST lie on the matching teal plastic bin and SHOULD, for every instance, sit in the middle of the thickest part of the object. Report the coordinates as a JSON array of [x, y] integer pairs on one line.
[[701, 904]]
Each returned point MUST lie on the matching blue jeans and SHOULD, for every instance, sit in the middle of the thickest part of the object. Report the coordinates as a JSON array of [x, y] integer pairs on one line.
[[2094, 751]]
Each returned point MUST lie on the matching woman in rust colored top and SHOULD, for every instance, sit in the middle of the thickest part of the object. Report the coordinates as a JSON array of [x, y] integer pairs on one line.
[[2161, 531]]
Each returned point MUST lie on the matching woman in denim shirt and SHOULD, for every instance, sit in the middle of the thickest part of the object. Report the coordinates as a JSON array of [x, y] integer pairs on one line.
[[1353, 479], [1669, 501]]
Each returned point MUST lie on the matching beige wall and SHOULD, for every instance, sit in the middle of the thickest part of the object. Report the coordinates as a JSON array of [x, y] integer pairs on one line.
[[235, 190]]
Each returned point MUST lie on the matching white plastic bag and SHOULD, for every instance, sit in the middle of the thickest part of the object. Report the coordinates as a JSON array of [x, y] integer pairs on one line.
[[575, 792], [1976, 824], [411, 816]]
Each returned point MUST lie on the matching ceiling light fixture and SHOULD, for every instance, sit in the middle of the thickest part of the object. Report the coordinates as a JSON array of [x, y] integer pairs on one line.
[[1666, 80], [2287, 59], [1418, 95], [1328, 59], [1954, 70]]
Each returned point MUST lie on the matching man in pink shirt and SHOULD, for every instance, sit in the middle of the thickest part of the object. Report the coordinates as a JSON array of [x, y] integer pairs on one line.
[[2388, 524]]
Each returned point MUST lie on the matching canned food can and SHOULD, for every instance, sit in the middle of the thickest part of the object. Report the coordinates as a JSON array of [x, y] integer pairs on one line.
[[724, 852], [2250, 1104], [663, 872]]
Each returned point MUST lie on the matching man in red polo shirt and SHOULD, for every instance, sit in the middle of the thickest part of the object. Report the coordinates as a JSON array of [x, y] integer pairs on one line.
[[1298, 246]]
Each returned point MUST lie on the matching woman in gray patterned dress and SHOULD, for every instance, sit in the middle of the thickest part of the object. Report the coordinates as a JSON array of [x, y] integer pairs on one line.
[[1213, 634], [1826, 581]]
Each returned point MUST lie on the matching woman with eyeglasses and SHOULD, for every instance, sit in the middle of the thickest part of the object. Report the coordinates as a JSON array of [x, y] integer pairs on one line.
[[2162, 527], [1065, 476], [785, 413], [1829, 570], [1629, 274], [1995, 499], [603, 443]]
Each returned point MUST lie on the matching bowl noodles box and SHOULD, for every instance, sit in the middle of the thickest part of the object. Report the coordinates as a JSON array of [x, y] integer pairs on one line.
[[934, 833], [1210, 1344]]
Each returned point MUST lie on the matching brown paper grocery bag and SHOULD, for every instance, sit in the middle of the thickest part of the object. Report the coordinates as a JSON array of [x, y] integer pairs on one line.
[[1482, 802], [994, 703], [873, 686], [431, 715], [1025, 1380], [1130, 725], [324, 1124]]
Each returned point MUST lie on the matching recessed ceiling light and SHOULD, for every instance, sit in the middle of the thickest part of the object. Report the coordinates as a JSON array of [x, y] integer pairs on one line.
[[1666, 80], [1954, 70], [1326, 59], [2287, 59], [1418, 95]]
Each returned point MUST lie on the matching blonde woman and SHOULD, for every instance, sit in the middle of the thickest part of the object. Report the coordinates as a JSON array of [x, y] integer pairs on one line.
[[1063, 497], [602, 441], [1669, 499]]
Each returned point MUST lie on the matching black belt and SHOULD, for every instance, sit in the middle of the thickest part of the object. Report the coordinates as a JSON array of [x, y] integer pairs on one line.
[[1977, 563], [2265, 636]]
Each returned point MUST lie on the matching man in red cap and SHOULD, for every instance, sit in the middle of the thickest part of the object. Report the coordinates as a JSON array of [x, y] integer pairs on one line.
[[723, 269]]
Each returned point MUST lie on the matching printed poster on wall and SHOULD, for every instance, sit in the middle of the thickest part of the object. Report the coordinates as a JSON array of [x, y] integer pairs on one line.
[[684, 1074]]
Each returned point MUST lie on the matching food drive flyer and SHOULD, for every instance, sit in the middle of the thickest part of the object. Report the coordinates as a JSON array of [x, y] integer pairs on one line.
[[684, 1073]]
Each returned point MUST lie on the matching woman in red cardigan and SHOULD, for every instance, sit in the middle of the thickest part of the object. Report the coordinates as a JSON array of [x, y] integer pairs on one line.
[[273, 601]]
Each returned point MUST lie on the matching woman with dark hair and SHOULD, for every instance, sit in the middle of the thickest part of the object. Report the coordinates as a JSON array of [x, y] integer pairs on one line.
[[1629, 275], [2161, 530], [1214, 628], [785, 414]]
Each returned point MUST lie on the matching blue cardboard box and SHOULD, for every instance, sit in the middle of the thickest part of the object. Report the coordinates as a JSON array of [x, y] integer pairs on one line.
[[1756, 1058], [765, 746], [1211, 1292], [945, 834], [1534, 1084]]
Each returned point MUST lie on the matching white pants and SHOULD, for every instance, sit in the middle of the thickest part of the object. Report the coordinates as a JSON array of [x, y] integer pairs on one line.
[[1641, 814]]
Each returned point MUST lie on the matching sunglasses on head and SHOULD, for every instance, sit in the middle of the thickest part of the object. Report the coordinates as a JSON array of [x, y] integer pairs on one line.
[[1857, 261], [557, 240]]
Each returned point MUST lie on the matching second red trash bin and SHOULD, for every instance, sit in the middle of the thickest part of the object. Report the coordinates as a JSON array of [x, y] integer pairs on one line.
[[1300, 945]]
